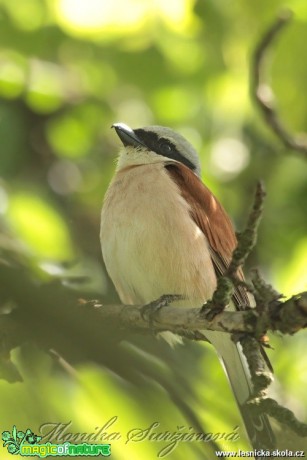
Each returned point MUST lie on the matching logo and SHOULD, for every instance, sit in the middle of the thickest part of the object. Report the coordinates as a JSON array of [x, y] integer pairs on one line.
[[27, 444]]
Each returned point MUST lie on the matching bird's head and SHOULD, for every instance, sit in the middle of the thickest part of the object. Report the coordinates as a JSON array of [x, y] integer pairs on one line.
[[154, 144]]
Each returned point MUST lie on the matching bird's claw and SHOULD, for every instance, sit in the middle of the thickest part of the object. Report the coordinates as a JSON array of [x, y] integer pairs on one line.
[[208, 311], [150, 310]]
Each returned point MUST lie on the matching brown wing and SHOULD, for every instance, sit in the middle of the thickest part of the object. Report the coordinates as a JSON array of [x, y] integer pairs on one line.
[[213, 221]]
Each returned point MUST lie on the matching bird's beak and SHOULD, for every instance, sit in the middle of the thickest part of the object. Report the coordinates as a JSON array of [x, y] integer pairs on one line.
[[127, 135]]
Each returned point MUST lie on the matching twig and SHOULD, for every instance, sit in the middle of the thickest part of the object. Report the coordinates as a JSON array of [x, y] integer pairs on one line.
[[263, 292], [248, 238], [285, 314], [261, 375], [246, 242], [262, 92], [280, 413]]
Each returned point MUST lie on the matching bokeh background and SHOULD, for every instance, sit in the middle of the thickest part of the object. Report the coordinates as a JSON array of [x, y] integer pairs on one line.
[[68, 70]]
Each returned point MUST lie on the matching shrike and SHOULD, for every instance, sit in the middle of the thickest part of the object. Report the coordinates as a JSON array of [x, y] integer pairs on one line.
[[164, 232]]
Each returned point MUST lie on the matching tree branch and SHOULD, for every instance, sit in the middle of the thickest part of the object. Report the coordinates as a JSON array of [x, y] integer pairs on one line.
[[287, 317], [262, 93]]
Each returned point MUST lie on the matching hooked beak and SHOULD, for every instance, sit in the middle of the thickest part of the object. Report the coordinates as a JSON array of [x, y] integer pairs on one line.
[[127, 135]]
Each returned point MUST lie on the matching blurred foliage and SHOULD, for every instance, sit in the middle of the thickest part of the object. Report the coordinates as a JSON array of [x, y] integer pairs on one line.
[[68, 70]]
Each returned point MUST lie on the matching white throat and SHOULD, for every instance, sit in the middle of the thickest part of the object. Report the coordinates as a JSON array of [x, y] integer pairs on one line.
[[131, 156]]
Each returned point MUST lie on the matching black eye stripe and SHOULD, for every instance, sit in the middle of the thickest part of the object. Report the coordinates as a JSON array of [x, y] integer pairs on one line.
[[163, 146]]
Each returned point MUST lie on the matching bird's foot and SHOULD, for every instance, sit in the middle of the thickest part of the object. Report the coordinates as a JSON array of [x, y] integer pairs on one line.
[[209, 310], [150, 310]]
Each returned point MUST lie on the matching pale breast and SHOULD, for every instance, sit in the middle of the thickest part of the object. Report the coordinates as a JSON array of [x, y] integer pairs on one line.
[[150, 244]]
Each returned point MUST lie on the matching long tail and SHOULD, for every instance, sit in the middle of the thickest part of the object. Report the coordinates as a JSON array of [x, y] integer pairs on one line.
[[258, 427]]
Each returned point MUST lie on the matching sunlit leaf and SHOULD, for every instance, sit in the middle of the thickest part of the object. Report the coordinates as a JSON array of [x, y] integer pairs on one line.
[[40, 226], [292, 277]]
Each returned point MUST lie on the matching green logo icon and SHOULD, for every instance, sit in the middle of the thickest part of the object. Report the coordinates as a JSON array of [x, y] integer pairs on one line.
[[15, 440], [27, 444]]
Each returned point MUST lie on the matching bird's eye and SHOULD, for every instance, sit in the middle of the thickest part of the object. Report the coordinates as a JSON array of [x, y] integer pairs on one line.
[[165, 148]]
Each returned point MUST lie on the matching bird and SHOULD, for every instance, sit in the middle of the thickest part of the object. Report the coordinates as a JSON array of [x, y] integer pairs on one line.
[[163, 232]]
